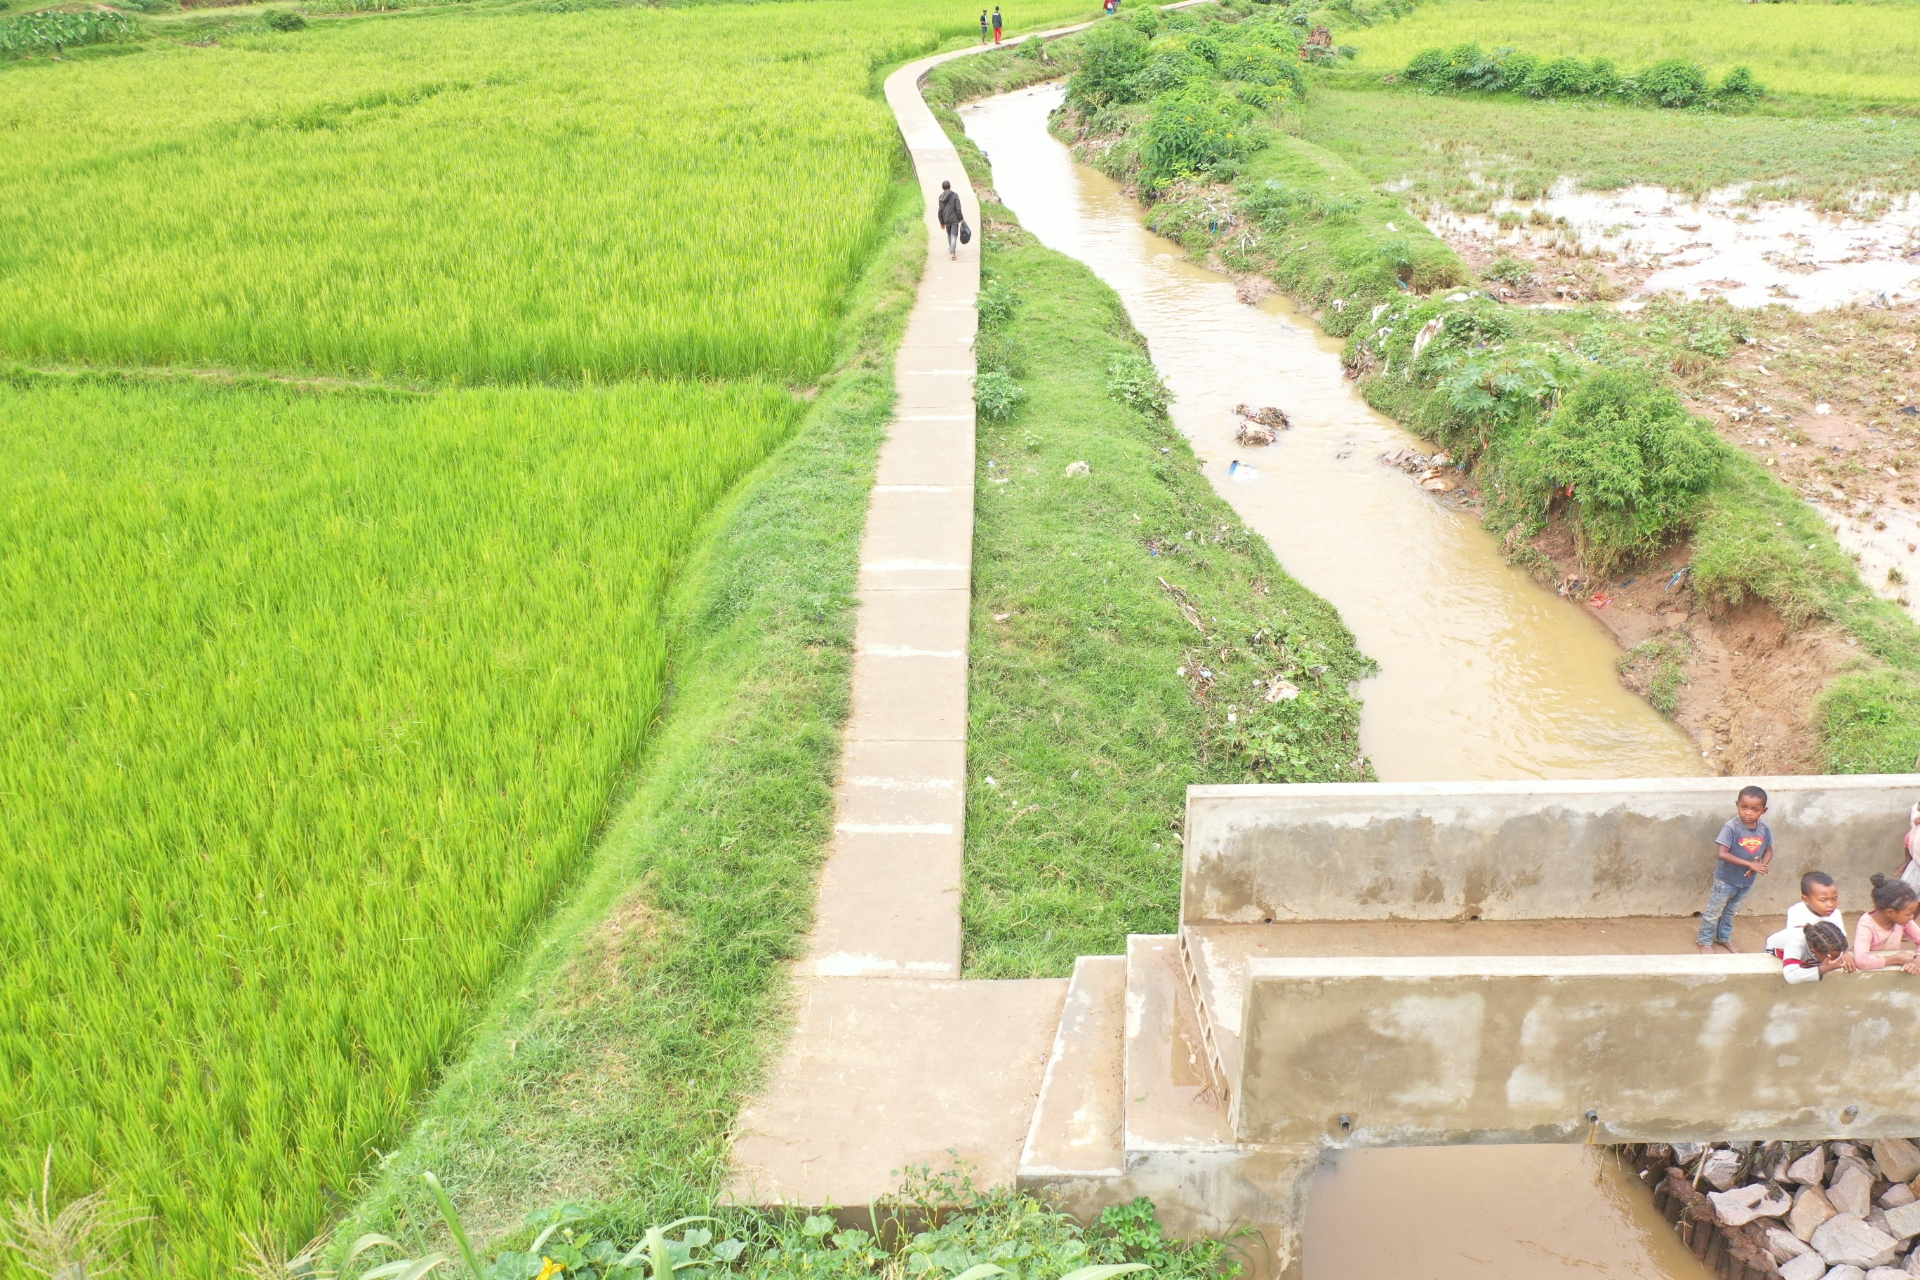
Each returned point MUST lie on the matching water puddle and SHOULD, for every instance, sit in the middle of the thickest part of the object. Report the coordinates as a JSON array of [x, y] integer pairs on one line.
[[1658, 241], [1483, 675]]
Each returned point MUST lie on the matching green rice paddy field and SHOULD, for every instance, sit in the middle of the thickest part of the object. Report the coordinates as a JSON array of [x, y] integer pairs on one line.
[[1857, 52], [361, 389]]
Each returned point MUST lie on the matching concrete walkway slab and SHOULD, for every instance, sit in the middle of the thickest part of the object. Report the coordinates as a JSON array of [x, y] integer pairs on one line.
[[883, 1074]]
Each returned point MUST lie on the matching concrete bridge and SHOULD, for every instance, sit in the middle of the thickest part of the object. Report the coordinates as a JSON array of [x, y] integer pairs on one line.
[[1364, 965]]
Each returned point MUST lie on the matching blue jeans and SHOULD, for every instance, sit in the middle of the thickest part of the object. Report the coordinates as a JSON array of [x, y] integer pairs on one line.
[[1716, 922], [953, 237]]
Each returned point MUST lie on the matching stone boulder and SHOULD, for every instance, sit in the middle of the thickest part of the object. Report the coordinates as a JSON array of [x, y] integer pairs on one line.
[[1897, 1196], [1846, 1240], [1721, 1167], [1898, 1159], [1783, 1244], [1852, 1191], [1808, 1266], [1903, 1221], [1810, 1170], [1738, 1207], [1810, 1208]]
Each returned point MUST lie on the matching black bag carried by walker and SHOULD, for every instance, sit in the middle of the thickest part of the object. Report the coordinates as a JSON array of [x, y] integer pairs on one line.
[[966, 232]]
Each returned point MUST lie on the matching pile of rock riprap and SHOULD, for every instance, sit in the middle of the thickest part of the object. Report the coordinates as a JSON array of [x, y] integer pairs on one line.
[[1435, 472], [1800, 1210]]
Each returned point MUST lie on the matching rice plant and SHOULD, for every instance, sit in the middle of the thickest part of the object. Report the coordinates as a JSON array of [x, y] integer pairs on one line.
[[461, 198], [311, 701]]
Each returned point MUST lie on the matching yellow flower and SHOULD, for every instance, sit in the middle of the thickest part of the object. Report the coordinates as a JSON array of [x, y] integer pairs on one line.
[[550, 1270]]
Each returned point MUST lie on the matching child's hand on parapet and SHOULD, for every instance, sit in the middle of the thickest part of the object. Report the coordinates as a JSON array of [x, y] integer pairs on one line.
[[1847, 962], [1911, 966]]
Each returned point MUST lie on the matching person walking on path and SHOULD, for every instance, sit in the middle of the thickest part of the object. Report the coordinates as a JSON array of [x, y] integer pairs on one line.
[[983, 26], [951, 218], [996, 24]]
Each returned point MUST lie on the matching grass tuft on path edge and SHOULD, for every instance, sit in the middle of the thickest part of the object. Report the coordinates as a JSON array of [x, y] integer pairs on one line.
[[608, 1071]]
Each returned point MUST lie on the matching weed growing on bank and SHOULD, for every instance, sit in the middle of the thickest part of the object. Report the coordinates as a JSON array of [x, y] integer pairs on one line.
[[1672, 82]]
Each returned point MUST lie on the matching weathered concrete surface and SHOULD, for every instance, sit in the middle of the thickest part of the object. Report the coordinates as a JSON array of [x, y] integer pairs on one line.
[[1427, 1051], [889, 902], [888, 1072], [1219, 954], [1076, 1131], [1519, 850]]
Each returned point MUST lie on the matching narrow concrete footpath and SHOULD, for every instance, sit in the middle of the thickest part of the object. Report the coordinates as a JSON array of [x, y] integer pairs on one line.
[[895, 1062]]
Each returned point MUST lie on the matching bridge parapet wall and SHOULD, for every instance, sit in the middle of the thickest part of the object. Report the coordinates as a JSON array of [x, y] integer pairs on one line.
[[1519, 850], [1431, 1051]]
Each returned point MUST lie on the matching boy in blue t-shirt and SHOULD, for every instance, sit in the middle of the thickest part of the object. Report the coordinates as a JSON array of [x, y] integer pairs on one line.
[[1745, 850]]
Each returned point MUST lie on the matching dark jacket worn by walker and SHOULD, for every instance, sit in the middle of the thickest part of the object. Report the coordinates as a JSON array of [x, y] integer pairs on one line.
[[950, 214]]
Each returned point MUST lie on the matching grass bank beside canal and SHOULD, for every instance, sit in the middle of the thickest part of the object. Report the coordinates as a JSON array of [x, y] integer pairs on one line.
[[1130, 635]]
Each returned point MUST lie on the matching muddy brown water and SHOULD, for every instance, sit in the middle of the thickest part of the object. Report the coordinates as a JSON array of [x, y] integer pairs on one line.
[[1484, 674]]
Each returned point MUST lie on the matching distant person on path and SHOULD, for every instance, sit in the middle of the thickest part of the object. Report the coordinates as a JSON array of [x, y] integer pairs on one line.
[[951, 218], [996, 24], [983, 26], [1745, 850], [1809, 953], [1894, 906]]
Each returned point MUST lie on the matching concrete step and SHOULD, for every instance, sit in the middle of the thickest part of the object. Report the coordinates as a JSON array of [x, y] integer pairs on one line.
[[1172, 1101], [1075, 1137], [883, 1073]]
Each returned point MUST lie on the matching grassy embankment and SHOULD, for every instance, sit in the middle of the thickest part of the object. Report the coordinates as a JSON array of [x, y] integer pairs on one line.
[[1490, 380], [345, 706], [1127, 628]]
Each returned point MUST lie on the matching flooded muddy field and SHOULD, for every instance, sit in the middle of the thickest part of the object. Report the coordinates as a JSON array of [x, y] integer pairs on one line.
[[1484, 674], [1651, 240]]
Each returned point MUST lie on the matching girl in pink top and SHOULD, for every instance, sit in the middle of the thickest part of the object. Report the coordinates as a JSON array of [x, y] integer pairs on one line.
[[1894, 906]]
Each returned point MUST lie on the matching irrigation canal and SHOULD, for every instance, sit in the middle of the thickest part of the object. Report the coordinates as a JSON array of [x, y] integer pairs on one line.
[[1484, 674]]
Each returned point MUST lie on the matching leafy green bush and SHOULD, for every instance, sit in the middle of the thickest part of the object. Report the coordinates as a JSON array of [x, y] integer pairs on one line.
[[997, 395], [1559, 78], [1168, 71], [285, 20], [51, 32], [1634, 462], [1264, 67], [1133, 380], [996, 304], [1740, 88], [1000, 353], [1112, 56], [1603, 77], [1673, 82], [1193, 130]]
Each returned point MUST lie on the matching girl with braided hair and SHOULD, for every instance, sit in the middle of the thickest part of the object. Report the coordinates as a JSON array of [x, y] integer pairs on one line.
[[1894, 906]]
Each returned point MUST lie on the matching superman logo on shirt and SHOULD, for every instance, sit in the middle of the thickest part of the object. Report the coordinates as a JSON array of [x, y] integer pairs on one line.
[[1752, 845]]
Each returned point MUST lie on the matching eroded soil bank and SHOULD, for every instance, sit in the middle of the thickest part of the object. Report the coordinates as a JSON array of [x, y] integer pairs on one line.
[[1484, 673]]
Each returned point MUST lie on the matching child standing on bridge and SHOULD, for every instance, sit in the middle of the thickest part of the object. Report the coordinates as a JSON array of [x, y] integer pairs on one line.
[[1745, 851]]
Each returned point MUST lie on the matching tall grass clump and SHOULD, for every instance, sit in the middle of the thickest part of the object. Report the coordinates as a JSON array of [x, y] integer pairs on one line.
[[311, 702]]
